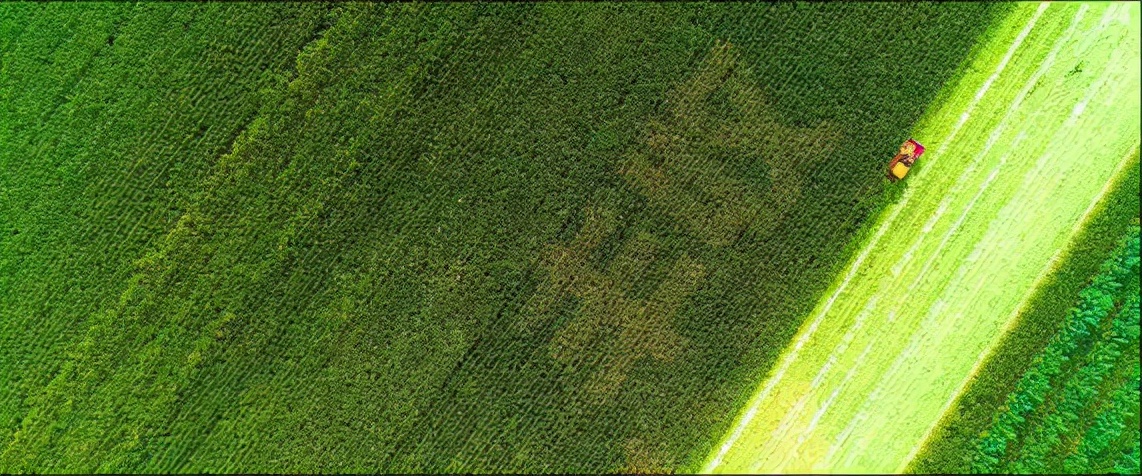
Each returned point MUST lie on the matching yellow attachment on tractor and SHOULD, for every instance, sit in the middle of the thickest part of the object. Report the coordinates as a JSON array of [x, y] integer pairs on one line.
[[898, 167], [899, 170]]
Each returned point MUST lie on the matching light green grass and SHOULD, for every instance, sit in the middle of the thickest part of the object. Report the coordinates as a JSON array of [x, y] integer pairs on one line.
[[880, 359], [951, 447]]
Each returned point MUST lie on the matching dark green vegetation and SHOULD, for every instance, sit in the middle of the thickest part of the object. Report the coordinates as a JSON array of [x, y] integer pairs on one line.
[[111, 116], [1070, 410], [1060, 395], [440, 237]]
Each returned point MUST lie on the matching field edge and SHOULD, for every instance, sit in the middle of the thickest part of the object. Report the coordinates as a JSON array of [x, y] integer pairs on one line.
[[1032, 328]]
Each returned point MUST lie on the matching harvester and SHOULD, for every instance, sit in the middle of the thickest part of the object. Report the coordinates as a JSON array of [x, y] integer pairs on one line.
[[910, 150]]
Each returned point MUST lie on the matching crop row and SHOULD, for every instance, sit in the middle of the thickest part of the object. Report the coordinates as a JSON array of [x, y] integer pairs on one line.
[[952, 447], [1108, 425], [112, 115], [1068, 372]]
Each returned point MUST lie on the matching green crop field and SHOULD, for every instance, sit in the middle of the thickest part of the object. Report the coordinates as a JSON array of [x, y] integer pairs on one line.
[[1075, 410], [531, 237], [1030, 141]]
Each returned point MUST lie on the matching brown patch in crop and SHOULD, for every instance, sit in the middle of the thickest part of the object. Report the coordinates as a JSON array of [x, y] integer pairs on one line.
[[643, 458], [612, 331], [568, 265], [641, 329], [681, 169]]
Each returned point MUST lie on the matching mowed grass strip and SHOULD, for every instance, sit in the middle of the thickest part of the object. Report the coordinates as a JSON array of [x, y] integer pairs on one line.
[[997, 203], [951, 447]]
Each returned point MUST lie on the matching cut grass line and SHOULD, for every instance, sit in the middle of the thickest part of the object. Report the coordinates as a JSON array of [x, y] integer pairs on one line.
[[991, 140], [855, 266], [995, 75], [848, 431], [1116, 177], [828, 402], [994, 173], [916, 335]]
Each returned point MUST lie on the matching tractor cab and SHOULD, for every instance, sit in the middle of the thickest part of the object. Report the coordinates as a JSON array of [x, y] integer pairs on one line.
[[910, 150]]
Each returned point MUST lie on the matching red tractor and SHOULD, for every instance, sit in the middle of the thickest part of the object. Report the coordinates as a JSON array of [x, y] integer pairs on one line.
[[902, 162]]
